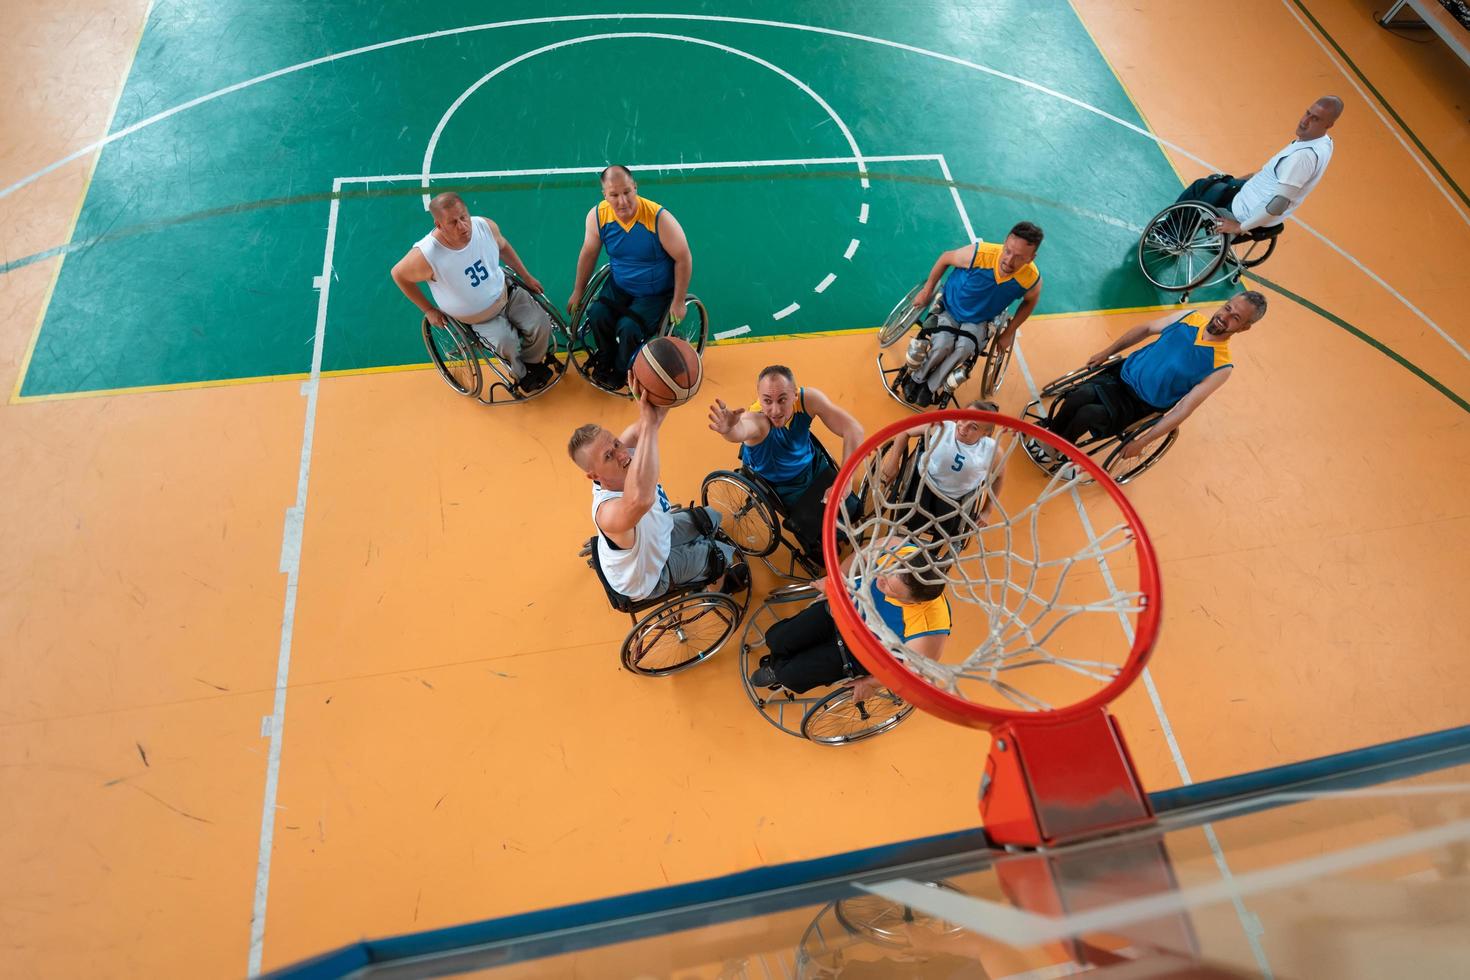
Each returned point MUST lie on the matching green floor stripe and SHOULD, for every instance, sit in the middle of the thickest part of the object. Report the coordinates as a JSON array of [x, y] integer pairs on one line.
[[1383, 102], [1371, 341]]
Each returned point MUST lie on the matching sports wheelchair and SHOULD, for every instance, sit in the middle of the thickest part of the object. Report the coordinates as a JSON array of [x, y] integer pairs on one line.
[[583, 346], [759, 521], [943, 526], [827, 716], [1107, 449], [463, 360], [680, 628], [902, 318], [1182, 249]]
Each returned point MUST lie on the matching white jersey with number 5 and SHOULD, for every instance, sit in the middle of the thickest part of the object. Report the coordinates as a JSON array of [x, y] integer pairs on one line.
[[957, 469], [466, 280]]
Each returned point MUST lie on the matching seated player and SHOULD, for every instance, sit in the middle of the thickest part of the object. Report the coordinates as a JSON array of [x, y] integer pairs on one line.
[[644, 546], [776, 442], [975, 301], [651, 266], [1265, 198], [1174, 375], [959, 460], [808, 650], [460, 260]]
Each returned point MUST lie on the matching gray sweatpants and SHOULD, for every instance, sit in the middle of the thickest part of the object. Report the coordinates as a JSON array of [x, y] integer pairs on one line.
[[689, 557], [520, 334], [947, 350]]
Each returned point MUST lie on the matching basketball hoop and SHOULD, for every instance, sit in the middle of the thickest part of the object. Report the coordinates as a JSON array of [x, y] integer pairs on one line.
[[1055, 598]]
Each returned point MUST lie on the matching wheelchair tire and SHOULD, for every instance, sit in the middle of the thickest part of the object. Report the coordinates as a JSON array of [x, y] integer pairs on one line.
[[581, 345], [1250, 260], [454, 355], [1072, 379], [900, 319], [1123, 470], [837, 719], [676, 635], [1181, 248], [751, 522], [694, 328], [886, 922], [994, 374]]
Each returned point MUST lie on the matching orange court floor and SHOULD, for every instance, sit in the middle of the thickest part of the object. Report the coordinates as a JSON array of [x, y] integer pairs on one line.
[[459, 739]]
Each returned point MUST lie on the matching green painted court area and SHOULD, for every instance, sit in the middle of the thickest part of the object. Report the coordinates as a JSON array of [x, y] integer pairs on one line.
[[202, 239]]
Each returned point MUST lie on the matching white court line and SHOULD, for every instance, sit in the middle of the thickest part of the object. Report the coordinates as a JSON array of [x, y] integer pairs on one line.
[[1020, 928], [852, 248], [736, 332], [645, 167], [1373, 104], [863, 214], [782, 314], [1248, 920], [811, 93], [574, 18], [822, 286], [291, 567]]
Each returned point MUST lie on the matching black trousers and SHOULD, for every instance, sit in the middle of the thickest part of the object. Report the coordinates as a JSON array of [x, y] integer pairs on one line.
[[807, 651], [1104, 406], [1216, 190], [621, 323]]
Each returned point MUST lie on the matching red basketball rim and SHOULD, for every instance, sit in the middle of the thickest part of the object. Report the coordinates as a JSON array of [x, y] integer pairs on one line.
[[952, 707]]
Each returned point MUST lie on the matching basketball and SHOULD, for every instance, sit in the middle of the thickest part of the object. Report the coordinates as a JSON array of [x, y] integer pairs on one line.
[[668, 370]]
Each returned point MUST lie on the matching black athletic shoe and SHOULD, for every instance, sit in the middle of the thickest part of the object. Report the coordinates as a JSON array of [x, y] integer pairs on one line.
[[538, 376], [911, 390], [923, 397], [765, 677]]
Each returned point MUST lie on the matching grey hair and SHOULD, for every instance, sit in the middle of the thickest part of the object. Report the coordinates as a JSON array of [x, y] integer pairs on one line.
[[1256, 300]]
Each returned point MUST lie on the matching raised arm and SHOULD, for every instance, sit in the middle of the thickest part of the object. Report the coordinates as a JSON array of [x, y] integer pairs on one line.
[[586, 260], [509, 256], [671, 236], [836, 419], [407, 273], [1175, 416], [736, 424], [958, 258], [621, 514]]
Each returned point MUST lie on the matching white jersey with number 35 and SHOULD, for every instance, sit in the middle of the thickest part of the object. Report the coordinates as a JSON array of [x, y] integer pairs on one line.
[[466, 280]]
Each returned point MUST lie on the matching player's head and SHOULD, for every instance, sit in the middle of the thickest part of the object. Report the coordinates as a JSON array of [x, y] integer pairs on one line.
[[971, 431], [910, 584], [775, 390], [1240, 312], [620, 190], [450, 215], [1319, 117], [1020, 247], [602, 455]]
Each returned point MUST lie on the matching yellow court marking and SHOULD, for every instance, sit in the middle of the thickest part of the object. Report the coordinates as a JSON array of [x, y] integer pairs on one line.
[[25, 361]]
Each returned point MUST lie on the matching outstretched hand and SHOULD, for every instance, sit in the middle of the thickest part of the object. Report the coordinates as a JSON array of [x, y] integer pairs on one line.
[[723, 418]]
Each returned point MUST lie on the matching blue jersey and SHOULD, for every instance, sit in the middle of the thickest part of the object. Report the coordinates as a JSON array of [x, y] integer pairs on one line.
[[640, 266], [908, 620], [979, 294], [1182, 357], [784, 456]]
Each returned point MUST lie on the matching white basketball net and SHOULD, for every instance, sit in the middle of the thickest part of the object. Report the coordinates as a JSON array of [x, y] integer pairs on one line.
[[1046, 578]]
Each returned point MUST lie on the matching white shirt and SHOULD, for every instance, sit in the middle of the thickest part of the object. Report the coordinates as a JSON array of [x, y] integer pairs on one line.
[[466, 280], [954, 468], [1291, 174], [634, 572]]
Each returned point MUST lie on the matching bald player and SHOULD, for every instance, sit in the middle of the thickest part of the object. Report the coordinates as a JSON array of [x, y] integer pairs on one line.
[[460, 260]]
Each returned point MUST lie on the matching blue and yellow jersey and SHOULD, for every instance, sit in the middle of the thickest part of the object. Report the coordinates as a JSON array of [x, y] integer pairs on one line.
[[909, 620], [784, 456], [640, 265], [1182, 357], [981, 292]]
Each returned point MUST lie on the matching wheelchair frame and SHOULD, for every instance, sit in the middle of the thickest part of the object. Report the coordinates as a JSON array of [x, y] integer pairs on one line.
[[477, 358], [1188, 228], [815, 716], [580, 347], [649, 615], [903, 317], [1109, 447]]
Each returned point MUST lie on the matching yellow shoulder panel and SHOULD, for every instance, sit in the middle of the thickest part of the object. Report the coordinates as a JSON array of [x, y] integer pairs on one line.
[[986, 256], [648, 213]]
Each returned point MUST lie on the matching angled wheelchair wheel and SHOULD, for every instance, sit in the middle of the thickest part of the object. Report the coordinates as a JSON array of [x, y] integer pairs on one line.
[[1182, 247], [900, 319], [582, 345], [1255, 253], [838, 719], [994, 374], [1122, 470], [454, 354], [750, 519], [680, 633], [781, 708], [890, 923], [694, 328], [1072, 379]]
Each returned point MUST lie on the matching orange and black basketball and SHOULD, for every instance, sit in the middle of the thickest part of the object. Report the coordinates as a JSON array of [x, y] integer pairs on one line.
[[668, 370]]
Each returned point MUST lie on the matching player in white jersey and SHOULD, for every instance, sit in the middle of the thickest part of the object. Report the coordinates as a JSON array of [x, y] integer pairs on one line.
[[644, 546], [959, 459], [460, 260], [1269, 195]]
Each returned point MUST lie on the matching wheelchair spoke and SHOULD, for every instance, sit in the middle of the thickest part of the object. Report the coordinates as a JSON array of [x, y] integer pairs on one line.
[[684, 632], [838, 718]]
